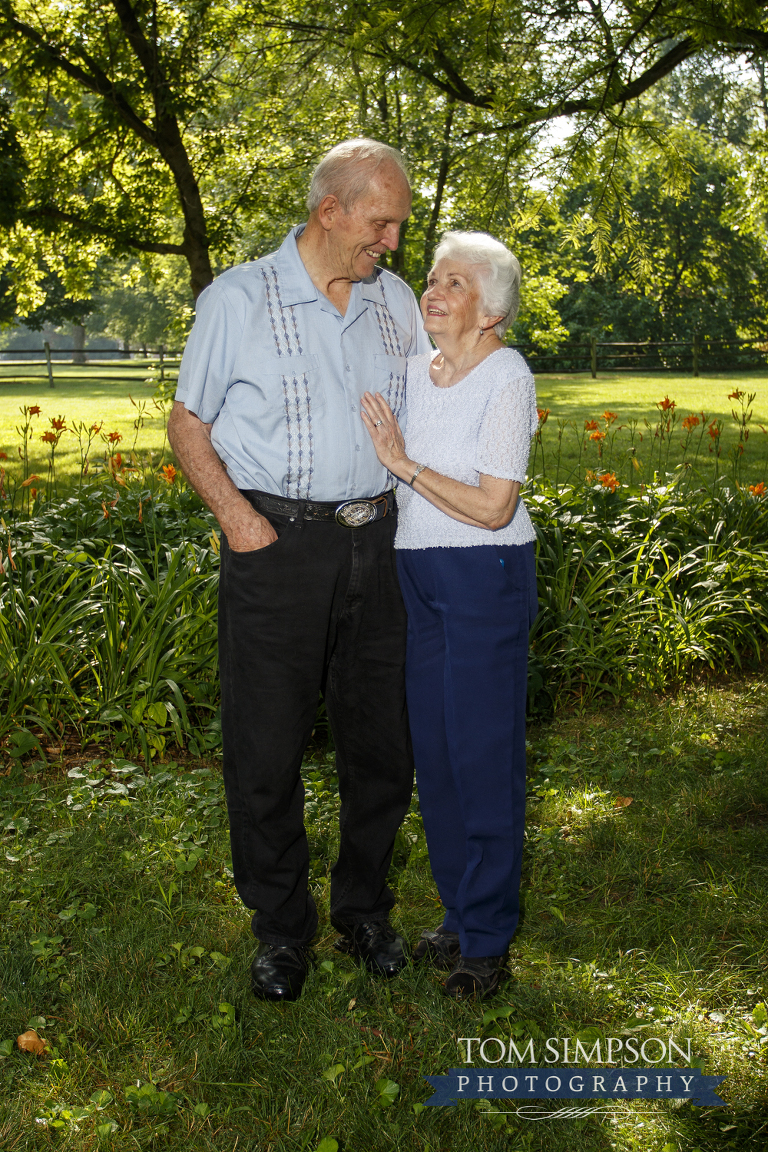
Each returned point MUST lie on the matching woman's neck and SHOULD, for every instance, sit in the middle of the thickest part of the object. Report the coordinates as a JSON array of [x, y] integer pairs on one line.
[[457, 357]]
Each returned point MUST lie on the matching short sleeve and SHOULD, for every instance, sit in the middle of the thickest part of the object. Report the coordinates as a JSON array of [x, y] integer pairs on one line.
[[206, 366], [508, 423]]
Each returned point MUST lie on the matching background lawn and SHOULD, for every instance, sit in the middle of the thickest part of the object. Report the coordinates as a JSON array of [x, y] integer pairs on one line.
[[572, 398], [93, 400]]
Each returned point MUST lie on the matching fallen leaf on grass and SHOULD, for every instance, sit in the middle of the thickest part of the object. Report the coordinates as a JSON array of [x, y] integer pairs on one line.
[[29, 1041], [622, 801]]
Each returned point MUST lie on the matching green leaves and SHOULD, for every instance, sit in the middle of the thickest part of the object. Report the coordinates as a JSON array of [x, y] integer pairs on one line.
[[151, 1101], [387, 1092]]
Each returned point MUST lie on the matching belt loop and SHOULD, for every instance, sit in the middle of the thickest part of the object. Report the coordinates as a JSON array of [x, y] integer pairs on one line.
[[300, 513]]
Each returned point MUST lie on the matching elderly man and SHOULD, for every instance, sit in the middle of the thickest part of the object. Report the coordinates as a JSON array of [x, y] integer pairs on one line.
[[270, 385]]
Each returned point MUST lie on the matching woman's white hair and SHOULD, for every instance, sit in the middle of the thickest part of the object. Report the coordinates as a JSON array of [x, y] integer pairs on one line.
[[346, 171], [499, 272]]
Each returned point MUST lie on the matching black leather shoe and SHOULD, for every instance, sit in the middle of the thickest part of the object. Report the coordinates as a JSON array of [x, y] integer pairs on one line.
[[279, 970], [441, 947], [376, 943], [478, 976]]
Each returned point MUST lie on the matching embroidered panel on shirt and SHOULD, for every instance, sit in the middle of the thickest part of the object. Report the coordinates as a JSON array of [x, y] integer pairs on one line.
[[391, 341], [298, 418], [396, 392], [296, 399], [281, 318]]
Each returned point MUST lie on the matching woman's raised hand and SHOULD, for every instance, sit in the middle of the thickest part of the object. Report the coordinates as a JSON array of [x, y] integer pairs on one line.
[[385, 433]]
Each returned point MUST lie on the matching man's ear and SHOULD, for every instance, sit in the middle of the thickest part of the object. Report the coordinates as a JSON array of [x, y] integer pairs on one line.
[[328, 210]]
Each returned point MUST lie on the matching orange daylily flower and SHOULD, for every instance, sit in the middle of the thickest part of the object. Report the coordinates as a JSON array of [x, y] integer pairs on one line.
[[169, 473], [691, 422], [610, 480], [666, 404], [757, 489], [590, 425], [598, 436]]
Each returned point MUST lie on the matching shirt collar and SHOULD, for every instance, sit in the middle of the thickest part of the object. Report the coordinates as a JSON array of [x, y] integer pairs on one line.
[[296, 285]]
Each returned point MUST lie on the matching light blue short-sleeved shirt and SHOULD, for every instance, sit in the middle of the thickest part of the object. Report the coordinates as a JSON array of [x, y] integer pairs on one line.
[[276, 369]]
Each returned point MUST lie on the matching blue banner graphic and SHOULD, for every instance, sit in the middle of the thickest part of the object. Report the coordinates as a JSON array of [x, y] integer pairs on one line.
[[576, 1084]]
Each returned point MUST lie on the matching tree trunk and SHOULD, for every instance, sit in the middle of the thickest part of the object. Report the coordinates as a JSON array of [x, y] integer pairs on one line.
[[78, 341], [442, 176]]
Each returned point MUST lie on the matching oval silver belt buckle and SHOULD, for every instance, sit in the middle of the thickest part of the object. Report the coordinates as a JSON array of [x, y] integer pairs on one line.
[[355, 513]]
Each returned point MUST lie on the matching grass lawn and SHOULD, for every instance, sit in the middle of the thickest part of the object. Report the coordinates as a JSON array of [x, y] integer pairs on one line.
[[577, 397], [572, 398], [92, 401], [126, 949]]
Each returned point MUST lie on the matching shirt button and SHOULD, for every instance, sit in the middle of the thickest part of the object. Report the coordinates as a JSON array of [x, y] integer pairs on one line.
[[357, 447], [347, 368], [354, 409]]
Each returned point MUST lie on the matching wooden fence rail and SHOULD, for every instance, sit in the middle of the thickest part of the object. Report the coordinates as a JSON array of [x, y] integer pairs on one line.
[[609, 355], [137, 364], [680, 355]]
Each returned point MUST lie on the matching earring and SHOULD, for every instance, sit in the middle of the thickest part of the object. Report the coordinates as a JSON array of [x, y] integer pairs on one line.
[[482, 331]]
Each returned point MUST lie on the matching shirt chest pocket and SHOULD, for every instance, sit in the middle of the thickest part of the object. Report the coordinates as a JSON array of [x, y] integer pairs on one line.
[[390, 380], [293, 385]]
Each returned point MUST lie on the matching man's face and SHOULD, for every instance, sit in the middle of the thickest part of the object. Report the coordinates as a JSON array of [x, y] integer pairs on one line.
[[372, 227]]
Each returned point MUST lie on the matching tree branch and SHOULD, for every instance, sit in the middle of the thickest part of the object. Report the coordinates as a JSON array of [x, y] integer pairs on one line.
[[95, 81], [48, 212], [535, 115]]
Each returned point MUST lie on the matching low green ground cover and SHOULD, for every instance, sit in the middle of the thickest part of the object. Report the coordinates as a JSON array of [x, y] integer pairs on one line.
[[108, 604], [125, 948]]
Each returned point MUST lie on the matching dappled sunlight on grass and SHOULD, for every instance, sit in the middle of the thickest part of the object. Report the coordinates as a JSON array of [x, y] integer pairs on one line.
[[126, 948]]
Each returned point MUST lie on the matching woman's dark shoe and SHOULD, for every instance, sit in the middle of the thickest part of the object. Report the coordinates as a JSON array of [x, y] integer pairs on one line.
[[279, 971], [376, 943], [478, 976], [441, 947]]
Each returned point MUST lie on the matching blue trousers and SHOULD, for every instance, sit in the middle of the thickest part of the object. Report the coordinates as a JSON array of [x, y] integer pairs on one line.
[[469, 615]]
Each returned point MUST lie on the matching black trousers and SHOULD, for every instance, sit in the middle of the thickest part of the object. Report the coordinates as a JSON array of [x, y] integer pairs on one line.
[[318, 610]]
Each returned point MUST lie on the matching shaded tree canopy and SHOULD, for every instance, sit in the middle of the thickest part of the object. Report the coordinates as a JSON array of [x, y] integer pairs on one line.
[[188, 129]]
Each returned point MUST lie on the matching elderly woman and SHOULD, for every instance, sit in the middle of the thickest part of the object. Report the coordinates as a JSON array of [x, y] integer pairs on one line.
[[465, 557]]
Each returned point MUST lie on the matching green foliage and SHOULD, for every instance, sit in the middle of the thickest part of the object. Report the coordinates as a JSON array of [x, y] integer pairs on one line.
[[189, 130], [705, 265], [642, 590], [107, 621]]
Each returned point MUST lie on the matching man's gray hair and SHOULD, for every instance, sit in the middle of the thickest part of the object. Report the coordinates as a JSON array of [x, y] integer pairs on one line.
[[346, 171], [499, 272]]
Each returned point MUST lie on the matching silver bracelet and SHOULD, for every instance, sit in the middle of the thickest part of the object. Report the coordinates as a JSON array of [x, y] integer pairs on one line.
[[419, 469]]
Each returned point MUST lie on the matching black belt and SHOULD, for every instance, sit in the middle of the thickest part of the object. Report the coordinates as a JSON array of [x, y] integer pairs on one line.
[[350, 513]]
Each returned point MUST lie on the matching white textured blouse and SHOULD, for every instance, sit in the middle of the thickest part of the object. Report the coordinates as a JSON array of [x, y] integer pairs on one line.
[[482, 424]]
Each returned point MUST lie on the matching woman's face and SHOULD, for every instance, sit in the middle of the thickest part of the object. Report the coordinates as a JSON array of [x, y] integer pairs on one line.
[[451, 305]]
